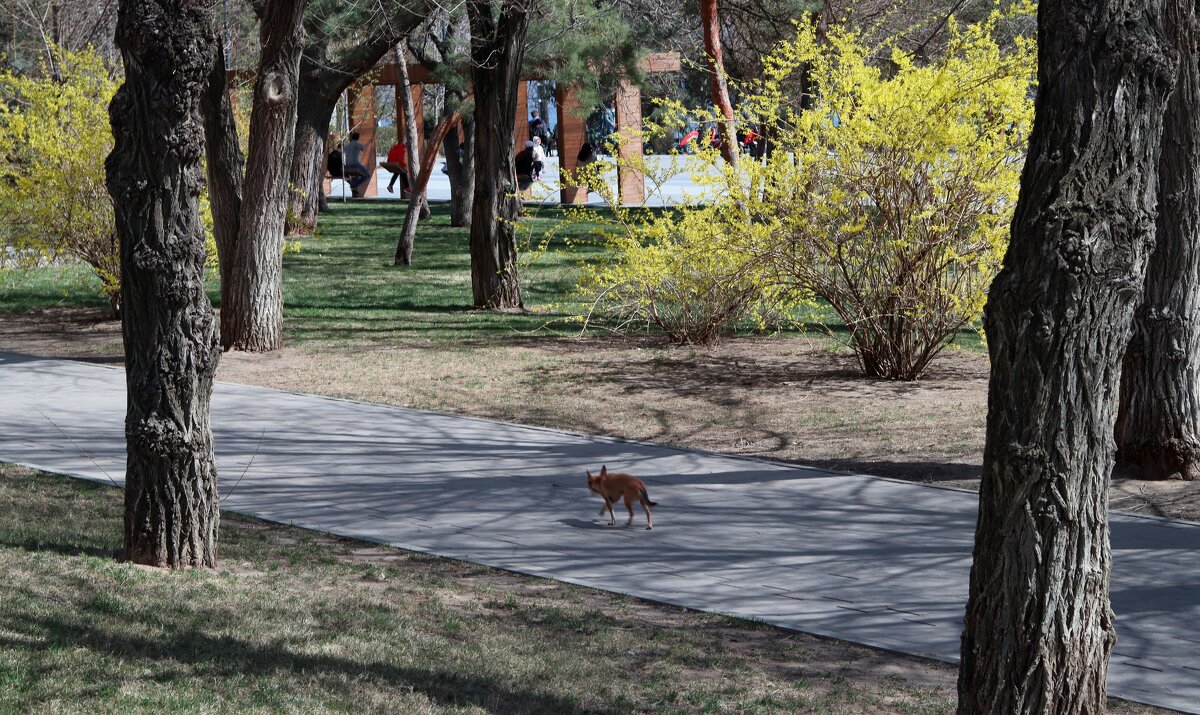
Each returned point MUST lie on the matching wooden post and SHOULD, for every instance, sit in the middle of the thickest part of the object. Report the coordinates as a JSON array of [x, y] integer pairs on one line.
[[418, 98], [521, 118], [631, 184], [572, 133], [362, 120]]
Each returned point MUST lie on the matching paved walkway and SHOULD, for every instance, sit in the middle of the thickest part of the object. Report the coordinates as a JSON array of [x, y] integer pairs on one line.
[[863, 559]]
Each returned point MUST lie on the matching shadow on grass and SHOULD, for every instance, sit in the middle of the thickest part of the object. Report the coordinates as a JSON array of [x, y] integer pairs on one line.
[[35, 546], [223, 656]]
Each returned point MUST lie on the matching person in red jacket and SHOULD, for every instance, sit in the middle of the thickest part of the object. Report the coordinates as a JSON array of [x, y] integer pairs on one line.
[[397, 163]]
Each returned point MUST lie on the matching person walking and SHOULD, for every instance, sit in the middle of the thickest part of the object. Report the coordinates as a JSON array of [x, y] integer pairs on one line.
[[523, 163]]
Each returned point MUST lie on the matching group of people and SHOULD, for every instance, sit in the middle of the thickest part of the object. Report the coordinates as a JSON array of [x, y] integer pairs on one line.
[[348, 165], [749, 141]]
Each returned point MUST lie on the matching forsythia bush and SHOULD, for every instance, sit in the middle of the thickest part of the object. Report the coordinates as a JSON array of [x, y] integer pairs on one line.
[[54, 137], [888, 197], [683, 272]]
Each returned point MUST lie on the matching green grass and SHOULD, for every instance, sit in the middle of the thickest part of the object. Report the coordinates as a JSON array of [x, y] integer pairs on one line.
[[29, 289], [299, 622], [342, 286]]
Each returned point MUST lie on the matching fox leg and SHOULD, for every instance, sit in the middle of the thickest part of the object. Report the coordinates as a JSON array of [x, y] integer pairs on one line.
[[612, 518], [629, 507], [646, 508]]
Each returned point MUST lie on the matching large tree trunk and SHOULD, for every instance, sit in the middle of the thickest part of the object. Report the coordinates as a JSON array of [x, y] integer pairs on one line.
[[171, 353], [1039, 628], [461, 170], [1158, 423], [224, 165], [497, 50], [308, 159], [252, 319], [717, 83]]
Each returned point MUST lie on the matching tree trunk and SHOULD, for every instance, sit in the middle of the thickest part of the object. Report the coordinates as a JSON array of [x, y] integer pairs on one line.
[[171, 352], [1039, 628], [252, 319], [419, 184], [717, 83], [412, 150], [461, 172], [497, 49], [308, 160], [1158, 422], [224, 165]]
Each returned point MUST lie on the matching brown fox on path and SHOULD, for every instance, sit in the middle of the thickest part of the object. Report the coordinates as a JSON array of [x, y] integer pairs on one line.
[[613, 486]]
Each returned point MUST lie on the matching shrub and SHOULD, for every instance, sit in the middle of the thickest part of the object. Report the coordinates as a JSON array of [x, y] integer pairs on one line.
[[892, 197], [885, 194], [680, 271], [54, 137]]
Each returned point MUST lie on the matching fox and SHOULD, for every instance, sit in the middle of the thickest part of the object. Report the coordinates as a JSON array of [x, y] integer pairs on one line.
[[613, 486]]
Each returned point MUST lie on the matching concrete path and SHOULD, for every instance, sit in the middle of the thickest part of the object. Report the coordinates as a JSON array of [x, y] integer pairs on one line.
[[864, 559]]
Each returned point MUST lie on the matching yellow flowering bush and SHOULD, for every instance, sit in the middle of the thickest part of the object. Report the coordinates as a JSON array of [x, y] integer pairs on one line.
[[54, 138], [886, 196]]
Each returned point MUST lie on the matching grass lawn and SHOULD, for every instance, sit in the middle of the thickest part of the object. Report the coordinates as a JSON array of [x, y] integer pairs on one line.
[[341, 288]]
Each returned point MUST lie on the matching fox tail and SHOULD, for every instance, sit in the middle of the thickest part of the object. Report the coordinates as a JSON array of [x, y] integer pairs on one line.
[[646, 498]]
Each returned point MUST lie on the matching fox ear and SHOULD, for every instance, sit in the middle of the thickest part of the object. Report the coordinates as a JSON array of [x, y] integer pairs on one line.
[[603, 470], [589, 473]]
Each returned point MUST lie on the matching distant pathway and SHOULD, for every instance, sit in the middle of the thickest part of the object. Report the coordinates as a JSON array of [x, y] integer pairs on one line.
[[864, 559]]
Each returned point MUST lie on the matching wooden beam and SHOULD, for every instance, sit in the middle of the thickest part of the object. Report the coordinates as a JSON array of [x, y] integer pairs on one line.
[[572, 133], [660, 62], [631, 183]]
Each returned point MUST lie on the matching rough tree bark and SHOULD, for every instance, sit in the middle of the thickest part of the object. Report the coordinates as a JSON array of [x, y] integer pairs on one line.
[[317, 102], [497, 50], [252, 300], [461, 172], [224, 166], [717, 83], [171, 351], [1158, 421], [1039, 628]]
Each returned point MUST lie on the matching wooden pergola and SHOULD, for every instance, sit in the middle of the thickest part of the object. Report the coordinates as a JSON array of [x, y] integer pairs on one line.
[[572, 128]]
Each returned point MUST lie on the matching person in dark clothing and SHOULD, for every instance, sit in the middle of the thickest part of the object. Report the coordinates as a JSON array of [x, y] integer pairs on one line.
[[524, 166], [335, 164], [538, 128]]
